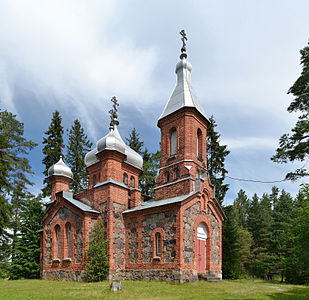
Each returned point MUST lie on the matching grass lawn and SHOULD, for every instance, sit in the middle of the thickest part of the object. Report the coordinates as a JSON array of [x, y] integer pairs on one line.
[[228, 289]]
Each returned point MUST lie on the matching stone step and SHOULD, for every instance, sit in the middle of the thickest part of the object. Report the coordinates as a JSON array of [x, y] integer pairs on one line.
[[210, 278]]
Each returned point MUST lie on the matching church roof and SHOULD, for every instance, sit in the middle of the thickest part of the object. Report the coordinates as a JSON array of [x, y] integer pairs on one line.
[[113, 141], [183, 94], [60, 169], [82, 206], [152, 203]]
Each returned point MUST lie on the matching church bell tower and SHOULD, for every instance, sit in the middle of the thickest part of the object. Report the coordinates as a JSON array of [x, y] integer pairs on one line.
[[183, 124]]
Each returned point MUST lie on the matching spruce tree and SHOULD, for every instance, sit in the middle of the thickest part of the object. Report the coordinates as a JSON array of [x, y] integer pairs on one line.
[[240, 209], [14, 166], [216, 154], [53, 148], [151, 163], [96, 254], [259, 225], [134, 141], [231, 267], [297, 265], [77, 148], [295, 146], [281, 239], [25, 255]]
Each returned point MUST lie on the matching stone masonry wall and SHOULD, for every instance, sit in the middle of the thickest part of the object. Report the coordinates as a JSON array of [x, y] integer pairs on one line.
[[215, 243], [164, 220], [190, 215], [179, 276], [118, 234], [132, 240], [62, 214]]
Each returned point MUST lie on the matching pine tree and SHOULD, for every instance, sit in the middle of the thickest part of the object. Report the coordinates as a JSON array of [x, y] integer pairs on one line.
[[216, 155], [295, 146], [96, 254], [77, 148], [53, 148], [14, 167], [25, 259]]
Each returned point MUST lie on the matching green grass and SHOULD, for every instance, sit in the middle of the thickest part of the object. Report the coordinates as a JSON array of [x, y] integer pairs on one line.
[[228, 289]]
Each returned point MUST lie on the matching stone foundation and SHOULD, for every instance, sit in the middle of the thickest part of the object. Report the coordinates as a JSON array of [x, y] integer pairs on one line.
[[63, 275], [156, 275], [214, 274]]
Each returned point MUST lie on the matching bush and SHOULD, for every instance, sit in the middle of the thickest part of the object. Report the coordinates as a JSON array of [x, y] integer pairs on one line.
[[96, 255]]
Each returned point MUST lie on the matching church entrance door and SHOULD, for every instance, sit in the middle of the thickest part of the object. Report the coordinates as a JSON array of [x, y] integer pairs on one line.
[[201, 248]]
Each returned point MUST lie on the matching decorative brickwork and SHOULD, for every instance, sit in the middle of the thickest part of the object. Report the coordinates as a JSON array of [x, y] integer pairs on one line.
[[154, 240]]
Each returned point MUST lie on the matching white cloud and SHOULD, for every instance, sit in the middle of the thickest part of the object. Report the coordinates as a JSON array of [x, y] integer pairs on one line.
[[251, 143], [65, 54]]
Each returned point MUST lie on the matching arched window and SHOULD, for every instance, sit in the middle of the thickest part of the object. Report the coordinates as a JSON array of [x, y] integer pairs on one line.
[[94, 179], [68, 231], [177, 173], [199, 144], [173, 142], [132, 181], [158, 244], [125, 178], [58, 241], [167, 176]]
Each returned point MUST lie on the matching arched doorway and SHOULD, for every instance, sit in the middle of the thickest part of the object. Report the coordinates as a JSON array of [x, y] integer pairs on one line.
[[201, 248]]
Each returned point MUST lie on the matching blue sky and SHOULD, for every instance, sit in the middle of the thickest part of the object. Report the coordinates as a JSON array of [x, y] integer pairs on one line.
[[75, 55]]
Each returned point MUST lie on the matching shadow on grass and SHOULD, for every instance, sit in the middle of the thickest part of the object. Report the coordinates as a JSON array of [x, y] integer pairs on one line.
[[295, 294]]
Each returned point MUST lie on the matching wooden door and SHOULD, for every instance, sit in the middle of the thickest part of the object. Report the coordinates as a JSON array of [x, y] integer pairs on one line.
[[201, 256]]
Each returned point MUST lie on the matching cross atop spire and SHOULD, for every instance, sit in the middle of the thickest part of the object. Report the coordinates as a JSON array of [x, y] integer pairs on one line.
[[113, 114], [183, 48]]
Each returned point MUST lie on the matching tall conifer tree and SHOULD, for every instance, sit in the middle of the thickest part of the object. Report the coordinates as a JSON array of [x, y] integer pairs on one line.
[[25, 255], [231, 267], [53, 148], [134, 141], [281, 239], [295, 146], [151, 163], [216, 154], [14, 166], [77, 148]]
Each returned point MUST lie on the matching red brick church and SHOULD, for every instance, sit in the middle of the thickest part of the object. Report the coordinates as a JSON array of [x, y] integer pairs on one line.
[[174, 237]]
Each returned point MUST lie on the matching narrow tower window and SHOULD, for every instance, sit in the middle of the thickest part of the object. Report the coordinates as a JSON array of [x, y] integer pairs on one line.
[[167, 176], [69, 239], [177, 174], [132, 181], [125, 178], [199, 144], [173, 142], [58, 241], [158, 244]]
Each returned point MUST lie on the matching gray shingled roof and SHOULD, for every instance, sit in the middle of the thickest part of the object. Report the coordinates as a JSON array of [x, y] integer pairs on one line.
[[82, 206], [111, 181], [152, 203]]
